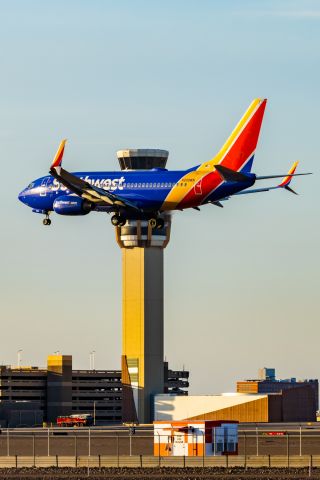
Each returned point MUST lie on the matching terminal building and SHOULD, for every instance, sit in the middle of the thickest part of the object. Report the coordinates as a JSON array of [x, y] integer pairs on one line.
[[267, 383], [31, 395], [262, 400]]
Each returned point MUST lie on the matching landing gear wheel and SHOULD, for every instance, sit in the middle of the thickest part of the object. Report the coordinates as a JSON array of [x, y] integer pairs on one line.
[[115, 219], [118, 220], [153, 222], [160, 223], [46, 220]]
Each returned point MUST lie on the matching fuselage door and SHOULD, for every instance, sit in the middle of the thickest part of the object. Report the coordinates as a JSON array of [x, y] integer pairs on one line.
[[43, 187], [198, 188]]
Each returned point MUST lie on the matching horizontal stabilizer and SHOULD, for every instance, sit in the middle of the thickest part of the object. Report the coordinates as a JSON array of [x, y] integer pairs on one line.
[[290, 189], [284, 184], [231, 175], [288, 176]]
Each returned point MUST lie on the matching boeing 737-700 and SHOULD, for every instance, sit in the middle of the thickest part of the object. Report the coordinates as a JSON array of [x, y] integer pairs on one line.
[[146, 194]]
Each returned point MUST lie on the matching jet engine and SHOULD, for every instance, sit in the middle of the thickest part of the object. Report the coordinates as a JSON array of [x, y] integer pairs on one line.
[[72, 205]]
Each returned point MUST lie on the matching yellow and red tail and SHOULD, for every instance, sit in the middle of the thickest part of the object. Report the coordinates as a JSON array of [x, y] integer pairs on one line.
[[236, 154], [238, 151]]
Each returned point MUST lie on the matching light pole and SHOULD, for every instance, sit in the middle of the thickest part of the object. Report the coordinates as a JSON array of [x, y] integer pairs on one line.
[[19, 357], [92, 359]]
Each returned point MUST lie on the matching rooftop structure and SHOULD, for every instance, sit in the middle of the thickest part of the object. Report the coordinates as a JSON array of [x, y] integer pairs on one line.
[[267, 383], [142, 158]]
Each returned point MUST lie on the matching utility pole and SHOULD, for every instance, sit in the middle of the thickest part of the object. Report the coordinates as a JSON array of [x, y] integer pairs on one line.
[[91, 358], [19, 357]]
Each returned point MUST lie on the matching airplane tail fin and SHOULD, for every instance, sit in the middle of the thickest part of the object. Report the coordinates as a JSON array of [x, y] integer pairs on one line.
[[238, 151]]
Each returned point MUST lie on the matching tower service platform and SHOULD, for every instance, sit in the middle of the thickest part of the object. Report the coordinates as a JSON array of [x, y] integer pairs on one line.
[[142, 299]]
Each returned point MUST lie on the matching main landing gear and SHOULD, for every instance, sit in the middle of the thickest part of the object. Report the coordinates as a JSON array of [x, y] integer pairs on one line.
[[154, 222], [46, 220], [118, 220]]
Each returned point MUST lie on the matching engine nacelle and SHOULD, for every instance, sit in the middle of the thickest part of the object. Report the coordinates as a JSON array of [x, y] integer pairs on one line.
[[71, 205]]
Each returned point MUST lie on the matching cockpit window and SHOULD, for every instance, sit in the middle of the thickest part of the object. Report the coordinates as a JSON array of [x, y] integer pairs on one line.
[[31, 185]]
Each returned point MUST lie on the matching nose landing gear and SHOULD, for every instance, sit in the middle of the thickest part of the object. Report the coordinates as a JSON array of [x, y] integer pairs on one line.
[[46, 220]]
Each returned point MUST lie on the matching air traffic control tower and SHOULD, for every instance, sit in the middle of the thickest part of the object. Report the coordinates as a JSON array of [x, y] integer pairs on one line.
[[142, 299]]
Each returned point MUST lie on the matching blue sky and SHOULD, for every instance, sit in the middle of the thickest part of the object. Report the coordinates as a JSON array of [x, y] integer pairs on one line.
[[241, 287]]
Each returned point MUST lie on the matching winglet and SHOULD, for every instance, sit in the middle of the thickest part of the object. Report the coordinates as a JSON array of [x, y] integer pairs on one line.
[[59, 155], [286, 181]]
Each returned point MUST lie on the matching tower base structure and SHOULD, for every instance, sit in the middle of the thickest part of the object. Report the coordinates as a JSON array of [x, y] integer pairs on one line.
[[142, 316]]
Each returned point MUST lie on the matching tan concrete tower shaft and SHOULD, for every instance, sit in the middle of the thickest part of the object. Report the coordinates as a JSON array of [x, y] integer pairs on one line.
[[142, 316]]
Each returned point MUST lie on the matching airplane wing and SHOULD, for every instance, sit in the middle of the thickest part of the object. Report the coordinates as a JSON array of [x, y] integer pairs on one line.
[[284, 184], [84, 189]]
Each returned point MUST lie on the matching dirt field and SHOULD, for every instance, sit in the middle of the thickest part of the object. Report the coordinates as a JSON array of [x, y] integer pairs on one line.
[[158, 473]]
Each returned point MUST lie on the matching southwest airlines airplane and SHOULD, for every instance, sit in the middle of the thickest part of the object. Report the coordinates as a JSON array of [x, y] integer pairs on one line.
[[145, 194]]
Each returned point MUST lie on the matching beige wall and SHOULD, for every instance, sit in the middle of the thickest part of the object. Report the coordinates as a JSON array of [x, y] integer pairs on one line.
[[241, 407]]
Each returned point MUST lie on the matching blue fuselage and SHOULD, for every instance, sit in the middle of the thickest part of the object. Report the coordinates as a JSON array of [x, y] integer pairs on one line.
[[148, 189]]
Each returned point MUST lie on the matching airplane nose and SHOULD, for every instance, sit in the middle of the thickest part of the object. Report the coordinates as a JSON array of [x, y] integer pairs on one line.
[[22, 196]]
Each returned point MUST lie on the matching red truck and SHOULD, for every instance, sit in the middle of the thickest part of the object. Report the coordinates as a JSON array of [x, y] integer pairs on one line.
[[77, 420]]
